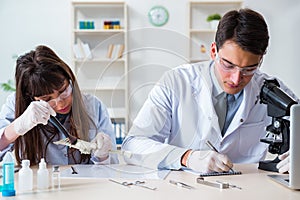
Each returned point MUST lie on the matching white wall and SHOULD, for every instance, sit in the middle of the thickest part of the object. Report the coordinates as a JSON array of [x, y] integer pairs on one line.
[[25, 24]]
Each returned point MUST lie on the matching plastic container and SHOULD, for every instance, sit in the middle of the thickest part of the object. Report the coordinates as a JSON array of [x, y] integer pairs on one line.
[[8, 170], [42, 176], [25, 176], [56, 178]]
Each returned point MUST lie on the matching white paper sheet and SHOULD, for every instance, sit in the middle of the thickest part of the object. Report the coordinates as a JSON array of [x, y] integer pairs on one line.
[[114, 171]]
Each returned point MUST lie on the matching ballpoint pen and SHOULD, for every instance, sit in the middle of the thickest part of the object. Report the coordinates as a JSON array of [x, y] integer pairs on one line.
[[183, 185], [209, 144]]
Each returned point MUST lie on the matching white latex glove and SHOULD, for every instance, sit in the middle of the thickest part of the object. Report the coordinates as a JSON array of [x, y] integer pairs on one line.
[[38, 112], [208, 161], [284, 165], [103, 146]]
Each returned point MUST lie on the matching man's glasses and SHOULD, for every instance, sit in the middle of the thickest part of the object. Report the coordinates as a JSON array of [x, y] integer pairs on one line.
[[231, 68], [65, 94]]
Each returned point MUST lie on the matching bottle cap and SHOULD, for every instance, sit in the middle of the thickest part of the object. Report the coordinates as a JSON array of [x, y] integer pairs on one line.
[[42, 164], [25, 163], [8, 157]]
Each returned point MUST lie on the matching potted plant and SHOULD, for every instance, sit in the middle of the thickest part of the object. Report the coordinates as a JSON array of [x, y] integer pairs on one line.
[[213, 19], [8, 86]]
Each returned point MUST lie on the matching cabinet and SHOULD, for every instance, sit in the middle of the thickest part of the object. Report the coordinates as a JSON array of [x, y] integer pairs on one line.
[[200, 32], [96, 27]]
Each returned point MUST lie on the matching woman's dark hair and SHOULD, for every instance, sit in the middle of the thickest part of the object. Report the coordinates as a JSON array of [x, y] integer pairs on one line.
[[39, 73], [246, 28]]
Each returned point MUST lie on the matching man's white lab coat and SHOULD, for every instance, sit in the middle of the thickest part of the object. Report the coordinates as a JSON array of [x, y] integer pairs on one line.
[[179, 115]]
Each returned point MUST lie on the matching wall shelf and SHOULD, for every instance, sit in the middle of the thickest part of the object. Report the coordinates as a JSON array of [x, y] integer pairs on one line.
[[98, 74]]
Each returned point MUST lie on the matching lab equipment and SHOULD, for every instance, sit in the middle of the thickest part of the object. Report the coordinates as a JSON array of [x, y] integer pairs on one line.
[[278, 132], [231, 185], [25, 176], [216, 184], [42, 175], [56, 177], [8, 187], [181, 184], [136, 183]]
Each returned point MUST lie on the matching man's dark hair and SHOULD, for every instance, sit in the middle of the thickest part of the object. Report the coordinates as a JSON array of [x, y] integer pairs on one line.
[[246, 28]]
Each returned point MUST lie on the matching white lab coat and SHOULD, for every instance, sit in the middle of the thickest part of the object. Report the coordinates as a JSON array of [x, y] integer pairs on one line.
[[179, 115]]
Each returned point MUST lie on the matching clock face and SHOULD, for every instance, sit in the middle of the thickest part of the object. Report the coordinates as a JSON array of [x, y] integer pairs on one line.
[[158, 15]]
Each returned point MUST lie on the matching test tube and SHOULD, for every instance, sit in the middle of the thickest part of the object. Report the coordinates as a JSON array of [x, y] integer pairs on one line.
[[56, 177]]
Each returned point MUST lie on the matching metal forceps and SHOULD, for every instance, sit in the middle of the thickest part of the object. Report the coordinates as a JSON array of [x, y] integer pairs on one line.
[[136, 183]]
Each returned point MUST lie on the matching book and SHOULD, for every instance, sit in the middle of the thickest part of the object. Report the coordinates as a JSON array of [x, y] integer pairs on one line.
[[77, 52], [87, 51], [115, 51], [110, 50], [121, 50], [82, 50]]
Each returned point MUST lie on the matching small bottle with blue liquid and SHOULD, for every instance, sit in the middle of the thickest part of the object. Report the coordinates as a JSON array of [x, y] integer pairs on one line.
[[8, 172]]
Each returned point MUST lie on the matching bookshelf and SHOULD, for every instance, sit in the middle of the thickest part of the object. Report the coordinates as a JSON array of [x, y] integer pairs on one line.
[[200, 33], [96, 26]]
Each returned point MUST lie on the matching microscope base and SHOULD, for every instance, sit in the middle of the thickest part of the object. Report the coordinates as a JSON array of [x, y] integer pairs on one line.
[[269, 165]]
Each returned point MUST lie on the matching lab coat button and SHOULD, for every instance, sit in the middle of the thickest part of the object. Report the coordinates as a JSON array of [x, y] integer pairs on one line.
[[241, 120]]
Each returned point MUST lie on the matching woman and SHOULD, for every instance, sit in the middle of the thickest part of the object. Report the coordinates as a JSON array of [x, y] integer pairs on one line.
[[45, 86]]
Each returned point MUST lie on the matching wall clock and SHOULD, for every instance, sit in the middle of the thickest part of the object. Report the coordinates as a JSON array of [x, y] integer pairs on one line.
[[158, 15]]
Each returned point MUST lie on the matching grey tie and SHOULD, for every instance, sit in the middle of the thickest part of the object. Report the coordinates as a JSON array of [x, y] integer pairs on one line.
[[231, 110], [221, 108]]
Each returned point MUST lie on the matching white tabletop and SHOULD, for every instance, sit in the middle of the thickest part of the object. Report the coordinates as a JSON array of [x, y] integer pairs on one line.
[[255, 184]]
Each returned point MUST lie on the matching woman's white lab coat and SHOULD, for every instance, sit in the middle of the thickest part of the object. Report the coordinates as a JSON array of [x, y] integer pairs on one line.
[[179, 115], [56, 154]]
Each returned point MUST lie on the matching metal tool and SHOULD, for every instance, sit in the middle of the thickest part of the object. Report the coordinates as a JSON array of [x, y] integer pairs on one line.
[[181, 184], [73, 170], [219, 185], [136, 183], [231, 185]]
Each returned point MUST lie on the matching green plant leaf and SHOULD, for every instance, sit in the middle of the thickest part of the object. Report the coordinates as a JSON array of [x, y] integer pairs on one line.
[[8, 86], [215, 16]]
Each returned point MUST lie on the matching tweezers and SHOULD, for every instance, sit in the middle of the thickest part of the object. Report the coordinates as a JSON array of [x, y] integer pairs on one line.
[[53, 120]]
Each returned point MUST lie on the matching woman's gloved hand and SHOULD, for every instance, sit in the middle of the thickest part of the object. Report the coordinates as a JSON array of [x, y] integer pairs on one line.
[[103, 145], [208, 161], [38, 112], [284, 165]]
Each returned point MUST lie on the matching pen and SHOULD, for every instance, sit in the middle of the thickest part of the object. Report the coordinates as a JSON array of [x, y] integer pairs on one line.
[[209, 144], [180, 184]]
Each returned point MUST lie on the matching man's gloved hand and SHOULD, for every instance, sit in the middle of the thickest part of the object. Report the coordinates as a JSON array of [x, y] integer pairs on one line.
[[103, 146], [208, 161], [38, 112], [284, 165]]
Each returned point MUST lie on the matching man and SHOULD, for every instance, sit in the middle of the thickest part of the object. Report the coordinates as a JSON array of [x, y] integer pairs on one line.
[[187, 107]]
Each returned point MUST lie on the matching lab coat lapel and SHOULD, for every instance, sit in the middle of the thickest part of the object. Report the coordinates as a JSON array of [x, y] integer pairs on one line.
[[250, 98], [203, 96]]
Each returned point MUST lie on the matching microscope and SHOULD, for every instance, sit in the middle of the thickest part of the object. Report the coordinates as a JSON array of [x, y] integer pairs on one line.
[[278, 132]]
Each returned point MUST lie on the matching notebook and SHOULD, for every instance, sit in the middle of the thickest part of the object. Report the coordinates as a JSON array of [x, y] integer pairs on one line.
[[292, 180], [212, 173]]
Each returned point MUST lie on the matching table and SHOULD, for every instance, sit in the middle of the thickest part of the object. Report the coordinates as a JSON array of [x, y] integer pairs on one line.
[[255, 184]]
